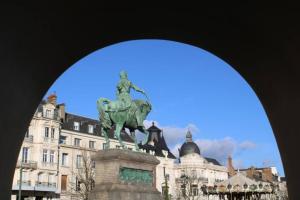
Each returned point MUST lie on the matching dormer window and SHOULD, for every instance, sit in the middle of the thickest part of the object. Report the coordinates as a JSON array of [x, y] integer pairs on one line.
[[76, 126], [90, 128]]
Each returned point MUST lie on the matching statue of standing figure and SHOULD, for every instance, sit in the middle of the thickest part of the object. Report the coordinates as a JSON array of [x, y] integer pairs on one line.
[[124, 112]]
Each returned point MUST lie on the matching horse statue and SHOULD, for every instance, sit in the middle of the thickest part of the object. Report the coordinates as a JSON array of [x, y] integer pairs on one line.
[[124, 112], [126, 118]]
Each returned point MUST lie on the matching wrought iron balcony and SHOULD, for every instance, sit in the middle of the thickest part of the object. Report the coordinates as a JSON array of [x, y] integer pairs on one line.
[[48, 165], [45, 186], [27, 164], [24, 182], [51, 116]]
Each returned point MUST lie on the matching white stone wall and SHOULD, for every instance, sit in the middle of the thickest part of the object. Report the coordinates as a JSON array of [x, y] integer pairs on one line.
[[70, 169], [36, 142]]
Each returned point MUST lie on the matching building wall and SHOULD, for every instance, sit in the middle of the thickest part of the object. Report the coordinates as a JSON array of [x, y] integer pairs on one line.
[[39, 174], [200, 172], [47, 176], [70, 169]]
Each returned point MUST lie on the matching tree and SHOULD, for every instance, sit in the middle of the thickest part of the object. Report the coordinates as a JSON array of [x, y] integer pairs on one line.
[[84, 176]]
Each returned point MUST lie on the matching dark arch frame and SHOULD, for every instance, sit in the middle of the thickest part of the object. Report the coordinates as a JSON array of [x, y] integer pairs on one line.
[[38, 43]]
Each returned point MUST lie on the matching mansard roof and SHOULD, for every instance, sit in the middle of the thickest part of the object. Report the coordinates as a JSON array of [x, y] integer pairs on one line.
[[212, 160], [84, 122]]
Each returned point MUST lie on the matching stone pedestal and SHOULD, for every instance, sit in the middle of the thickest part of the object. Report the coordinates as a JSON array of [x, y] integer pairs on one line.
[[125, 175]]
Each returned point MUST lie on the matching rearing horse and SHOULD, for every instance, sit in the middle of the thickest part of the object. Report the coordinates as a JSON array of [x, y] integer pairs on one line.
[[129, 117]]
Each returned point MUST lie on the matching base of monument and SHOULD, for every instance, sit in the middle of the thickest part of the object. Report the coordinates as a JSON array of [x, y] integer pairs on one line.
[[124, 175], [115, 191]]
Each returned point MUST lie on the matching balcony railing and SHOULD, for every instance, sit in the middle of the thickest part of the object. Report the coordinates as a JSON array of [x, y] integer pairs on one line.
[[49, 139], [24, 182], [29, 139], [27, 164], [45, 186], [50, 116], [49, 164], [203, 179]]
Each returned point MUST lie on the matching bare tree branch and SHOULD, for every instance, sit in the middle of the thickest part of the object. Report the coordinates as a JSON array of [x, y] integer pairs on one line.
[[84, 175]]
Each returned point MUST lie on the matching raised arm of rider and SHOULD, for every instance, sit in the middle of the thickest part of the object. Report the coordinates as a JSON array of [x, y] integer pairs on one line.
[[136, 88]]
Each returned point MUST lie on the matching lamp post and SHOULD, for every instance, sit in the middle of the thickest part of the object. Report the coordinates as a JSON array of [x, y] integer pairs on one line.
[[245, 188], [20, 185], [166, 192], [229, 186]]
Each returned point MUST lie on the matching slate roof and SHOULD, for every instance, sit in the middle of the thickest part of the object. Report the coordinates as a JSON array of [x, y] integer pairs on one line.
[[188, 148], [84, 122], [212, 160], [159, 144]]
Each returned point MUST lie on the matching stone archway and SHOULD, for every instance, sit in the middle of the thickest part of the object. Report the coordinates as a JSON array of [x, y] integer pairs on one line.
[[39, 43]]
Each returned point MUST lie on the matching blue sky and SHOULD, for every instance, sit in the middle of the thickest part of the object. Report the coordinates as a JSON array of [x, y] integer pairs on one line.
[[188, 88]]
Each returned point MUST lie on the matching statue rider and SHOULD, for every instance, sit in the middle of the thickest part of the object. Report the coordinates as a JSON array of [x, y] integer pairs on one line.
[[123, 93]]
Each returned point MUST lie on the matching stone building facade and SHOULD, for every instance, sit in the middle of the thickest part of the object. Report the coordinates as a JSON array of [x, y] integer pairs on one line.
[[57, 141], [52, 152], [187, 174]]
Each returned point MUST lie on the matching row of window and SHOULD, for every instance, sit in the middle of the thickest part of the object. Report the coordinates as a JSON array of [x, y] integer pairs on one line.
[[48, 156], [64, 160], [77, 142], [194, 172], [76, 127], [52, 134], [41, 177]]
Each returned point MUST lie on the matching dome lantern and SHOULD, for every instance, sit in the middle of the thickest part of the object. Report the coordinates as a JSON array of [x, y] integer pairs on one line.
[[189, 146]]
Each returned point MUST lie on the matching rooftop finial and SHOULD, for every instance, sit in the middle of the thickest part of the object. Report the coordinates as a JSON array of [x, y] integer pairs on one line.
[[152, 123], [189, 136]]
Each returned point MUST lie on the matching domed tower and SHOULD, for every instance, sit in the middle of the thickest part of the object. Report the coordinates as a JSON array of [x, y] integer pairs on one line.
[[189, 146]]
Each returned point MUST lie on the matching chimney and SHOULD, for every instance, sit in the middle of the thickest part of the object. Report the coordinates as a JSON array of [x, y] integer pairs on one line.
[[61, 110], [231, 170], [251, 172], [267, 174], [52, 99]]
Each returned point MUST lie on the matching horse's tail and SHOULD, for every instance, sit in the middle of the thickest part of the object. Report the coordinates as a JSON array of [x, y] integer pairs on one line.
[[103, 116]]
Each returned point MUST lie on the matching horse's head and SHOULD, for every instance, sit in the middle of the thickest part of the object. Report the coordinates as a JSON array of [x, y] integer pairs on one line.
[[146, 108]]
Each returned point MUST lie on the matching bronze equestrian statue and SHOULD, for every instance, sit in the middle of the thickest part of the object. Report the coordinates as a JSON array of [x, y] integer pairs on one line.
[[124, 112]]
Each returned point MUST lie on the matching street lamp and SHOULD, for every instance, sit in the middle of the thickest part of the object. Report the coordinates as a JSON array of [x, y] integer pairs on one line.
[[229, 186], [20, 185], [245, 188], [166, 190]]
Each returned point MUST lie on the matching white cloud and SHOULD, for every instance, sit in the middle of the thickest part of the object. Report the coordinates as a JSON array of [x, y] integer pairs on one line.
[[268, 163], [218, 149], [238, 164], [175, 148], [247, 145]]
